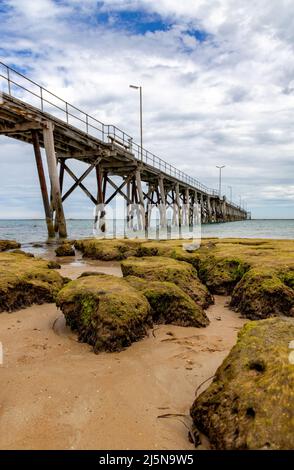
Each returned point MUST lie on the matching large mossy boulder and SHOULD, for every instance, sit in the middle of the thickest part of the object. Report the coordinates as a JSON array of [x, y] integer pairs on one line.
[[106, 311], [25, 281], [263, 293], [9, 245], [169, 303], [221, 275], [250, 403], [160, 268]]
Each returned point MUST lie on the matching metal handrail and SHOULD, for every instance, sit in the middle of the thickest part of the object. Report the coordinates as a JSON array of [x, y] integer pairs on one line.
[[106, 131]]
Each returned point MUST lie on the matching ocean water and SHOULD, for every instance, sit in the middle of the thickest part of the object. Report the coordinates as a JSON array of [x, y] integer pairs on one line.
[[32, 231]]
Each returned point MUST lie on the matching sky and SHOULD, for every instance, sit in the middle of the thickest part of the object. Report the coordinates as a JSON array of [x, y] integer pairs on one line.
[[218, 89]]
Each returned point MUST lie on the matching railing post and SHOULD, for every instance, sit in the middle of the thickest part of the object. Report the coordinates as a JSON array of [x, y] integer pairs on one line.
[[41, 96], [87, 123], [66, 111], [8, 80]]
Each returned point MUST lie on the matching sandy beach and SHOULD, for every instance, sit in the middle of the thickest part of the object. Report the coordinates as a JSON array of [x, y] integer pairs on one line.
[[56, 393]]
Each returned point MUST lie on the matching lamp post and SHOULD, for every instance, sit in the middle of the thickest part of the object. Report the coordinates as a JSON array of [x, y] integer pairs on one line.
[[220, 179], [231, 193], [141, 117]]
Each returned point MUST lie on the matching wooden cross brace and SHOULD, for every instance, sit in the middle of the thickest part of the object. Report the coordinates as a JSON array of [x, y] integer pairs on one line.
[[78, 181]]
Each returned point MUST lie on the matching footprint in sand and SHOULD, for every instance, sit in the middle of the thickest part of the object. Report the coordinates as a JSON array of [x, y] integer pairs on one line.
[[186, 340]]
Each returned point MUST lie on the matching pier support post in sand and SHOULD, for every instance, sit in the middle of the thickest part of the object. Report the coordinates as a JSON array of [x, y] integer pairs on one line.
[[209, 212], [54, 180], [178, 203], [43, 185], [162, 204], [100, 210], [224, 210], [187, 205], [141, 199], [202, 208]]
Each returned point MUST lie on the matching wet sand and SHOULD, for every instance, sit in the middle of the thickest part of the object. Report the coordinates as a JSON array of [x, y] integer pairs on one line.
[[73, 268], [57, 394]]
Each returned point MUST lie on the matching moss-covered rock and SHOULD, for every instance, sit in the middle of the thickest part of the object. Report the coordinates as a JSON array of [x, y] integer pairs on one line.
[[25, 281], [21, 252], [169, 303], [221, 275], [119, 249], [65, 249], [9, 245], [53, 265], [107, 250], [288, 277], [250, 403], [105, 310], [261, 293], [167, 269]]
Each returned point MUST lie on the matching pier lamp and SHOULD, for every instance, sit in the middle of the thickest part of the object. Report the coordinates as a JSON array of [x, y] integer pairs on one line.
[[135, 87], [220, 179]]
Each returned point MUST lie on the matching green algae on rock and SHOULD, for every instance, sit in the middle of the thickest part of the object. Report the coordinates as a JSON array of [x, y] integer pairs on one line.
[[221, 275], [53, 265], [25, 281], [167, 269], [169, 303], [119, 249], [106, 311], [250, 403], [9, 245], [107, 250], [65, 249], [22, 252], [261, 293]]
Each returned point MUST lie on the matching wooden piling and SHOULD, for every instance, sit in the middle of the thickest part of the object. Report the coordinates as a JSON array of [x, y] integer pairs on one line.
[[209, 211], [100, 200], [43, 185], [54, 180], [162, 203], [141, 199], [178, 203]]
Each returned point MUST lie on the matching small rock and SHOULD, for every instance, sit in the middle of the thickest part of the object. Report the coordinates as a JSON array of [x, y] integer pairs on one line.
[[65, 249], [53, 265], [8, 245]]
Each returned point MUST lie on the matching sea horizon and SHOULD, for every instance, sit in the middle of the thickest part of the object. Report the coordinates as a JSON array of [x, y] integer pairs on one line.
[[29, 231]]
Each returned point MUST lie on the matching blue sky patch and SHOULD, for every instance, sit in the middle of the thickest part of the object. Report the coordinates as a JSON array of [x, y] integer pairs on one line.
[[198, 34], [136, 22]]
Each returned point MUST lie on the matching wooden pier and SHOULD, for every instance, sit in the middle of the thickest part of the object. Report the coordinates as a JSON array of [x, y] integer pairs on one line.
[[32, 114]]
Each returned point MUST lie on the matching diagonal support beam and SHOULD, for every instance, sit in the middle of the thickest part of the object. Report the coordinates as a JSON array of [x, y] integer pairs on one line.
[[80, 179], [80, 184], [118, 189]]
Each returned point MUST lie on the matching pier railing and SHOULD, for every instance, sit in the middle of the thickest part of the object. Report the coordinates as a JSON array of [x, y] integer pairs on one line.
[[16, 84]]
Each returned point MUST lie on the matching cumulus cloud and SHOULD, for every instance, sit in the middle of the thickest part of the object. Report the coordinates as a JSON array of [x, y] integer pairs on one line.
[[217, 76]]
